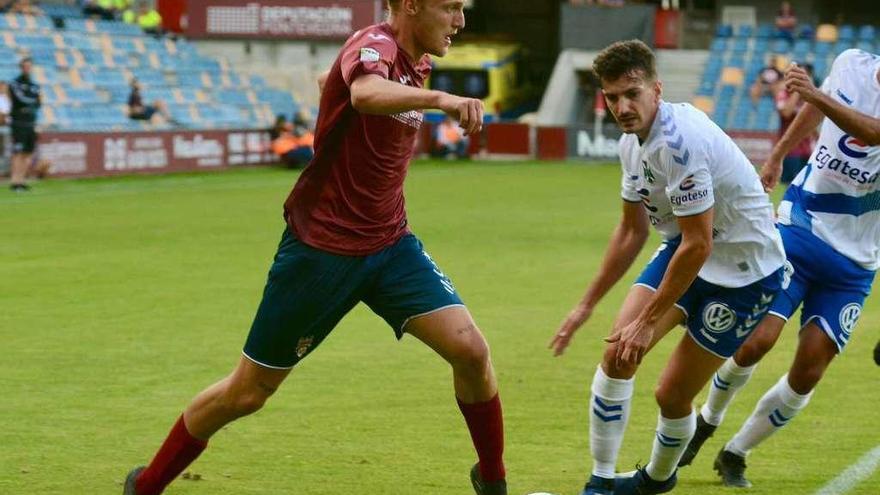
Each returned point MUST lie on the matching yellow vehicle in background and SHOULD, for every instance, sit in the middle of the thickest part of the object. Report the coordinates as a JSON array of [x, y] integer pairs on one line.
[[491, 71]]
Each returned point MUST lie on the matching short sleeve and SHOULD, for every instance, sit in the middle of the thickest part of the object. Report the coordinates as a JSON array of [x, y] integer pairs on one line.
[[370, 53], [689, 185], [629, 188], [832, 82], [629, 182]]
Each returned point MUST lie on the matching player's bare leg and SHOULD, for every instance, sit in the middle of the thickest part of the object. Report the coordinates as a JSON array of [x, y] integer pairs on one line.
[[780, 404], [18, 170], [612, 391], [452, 333], [241, 393], [686, 373], [733, 375]]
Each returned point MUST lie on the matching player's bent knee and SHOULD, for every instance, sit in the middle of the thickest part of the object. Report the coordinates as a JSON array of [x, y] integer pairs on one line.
[[472, 355], [615, 369], [803, 381], [672, 402]]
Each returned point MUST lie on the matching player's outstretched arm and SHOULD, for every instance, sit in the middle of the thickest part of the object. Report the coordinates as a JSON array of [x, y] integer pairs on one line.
[[694, 250], [804, 123], [856, 124], [626, 242], [373, 94]]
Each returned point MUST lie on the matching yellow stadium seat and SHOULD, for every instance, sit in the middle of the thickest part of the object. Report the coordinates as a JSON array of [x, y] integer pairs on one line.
[[704, 103], [826, 33], [732, 76]]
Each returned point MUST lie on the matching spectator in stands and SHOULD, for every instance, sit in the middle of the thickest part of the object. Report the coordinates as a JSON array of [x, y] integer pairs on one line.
[[788, 105], [24, 94], [279, 127], [148, 18], [137, 110], [5, 5], [786, 22], [105, 9], [25, 7], [450, 141], [5, 107], [295, 146], [768, 82], [5, 104]]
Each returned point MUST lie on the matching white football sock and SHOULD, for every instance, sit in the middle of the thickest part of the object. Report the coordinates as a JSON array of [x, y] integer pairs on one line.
[[670, 441], [609, 412], [725, 384], [778, 406]]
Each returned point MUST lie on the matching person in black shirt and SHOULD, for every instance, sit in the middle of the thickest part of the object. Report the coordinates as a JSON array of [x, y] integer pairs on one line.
[[25, 96], [137, 110]]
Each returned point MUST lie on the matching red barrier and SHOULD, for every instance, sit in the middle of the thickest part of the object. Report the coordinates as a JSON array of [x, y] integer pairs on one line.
[[552, 143], [119, 153], [508, 139]]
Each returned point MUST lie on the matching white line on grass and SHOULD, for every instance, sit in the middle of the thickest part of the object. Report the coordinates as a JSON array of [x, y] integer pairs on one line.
[[854, 474]]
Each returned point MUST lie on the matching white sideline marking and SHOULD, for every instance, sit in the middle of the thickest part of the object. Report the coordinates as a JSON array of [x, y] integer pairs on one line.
[[853, 475]]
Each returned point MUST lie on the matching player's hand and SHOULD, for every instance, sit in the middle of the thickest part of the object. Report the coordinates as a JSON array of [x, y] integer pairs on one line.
[[575, 319], [798, 81], [467, 111], [771, 172], [632, 341]]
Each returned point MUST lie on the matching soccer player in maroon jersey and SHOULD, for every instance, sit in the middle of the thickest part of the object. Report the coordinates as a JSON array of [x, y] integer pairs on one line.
[[347, 240]]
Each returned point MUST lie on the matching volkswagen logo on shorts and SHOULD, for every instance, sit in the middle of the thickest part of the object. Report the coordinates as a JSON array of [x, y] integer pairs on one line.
[[718, 317], [849, 315]]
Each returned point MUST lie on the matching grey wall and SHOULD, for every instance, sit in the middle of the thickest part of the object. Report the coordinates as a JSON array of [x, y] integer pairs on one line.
[[588, 27]]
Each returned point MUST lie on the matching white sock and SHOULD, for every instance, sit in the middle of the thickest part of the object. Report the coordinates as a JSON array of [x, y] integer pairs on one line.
[[672, 438], [778, 406], [609, 412], [727, 381]]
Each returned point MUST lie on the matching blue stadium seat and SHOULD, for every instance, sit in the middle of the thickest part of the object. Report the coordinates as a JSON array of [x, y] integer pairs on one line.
[[866, 46], [802, 48], [745, 31], [741, 45], [806, 31], [846, 32], [867, 33], [822, 49], [724, 31], [765, 31], [841, 46], [780, 46]]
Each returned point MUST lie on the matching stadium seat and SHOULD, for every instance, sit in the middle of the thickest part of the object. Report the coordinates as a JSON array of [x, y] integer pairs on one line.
[[867, 33], [706, 104], [865, 46], [765, 31], [724, 31], [846, 32], [745, 31], [780, 46], [806, 31], [826, 33], [732, 76]]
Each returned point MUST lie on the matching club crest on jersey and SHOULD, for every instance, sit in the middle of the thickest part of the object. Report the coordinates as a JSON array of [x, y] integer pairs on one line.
[[849, 315], [688, 183], [646, 171], [852, 147], [370, 54], [718, 317], [302, 347]]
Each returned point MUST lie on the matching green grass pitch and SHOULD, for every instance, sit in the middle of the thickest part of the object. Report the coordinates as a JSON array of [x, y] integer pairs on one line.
[[122, 298]]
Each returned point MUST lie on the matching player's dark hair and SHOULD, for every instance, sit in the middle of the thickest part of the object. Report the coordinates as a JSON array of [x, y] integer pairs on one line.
[[625, 58]]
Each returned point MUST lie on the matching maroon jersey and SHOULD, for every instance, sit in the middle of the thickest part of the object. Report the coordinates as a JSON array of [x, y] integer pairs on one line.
[[349, 199]]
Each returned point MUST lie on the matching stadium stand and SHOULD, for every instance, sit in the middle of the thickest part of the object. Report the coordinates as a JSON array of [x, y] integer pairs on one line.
[[738, 54], [86, 66]]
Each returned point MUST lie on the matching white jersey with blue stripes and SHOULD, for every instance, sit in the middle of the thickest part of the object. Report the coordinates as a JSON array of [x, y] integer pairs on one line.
[[688, 165], [836, 195]]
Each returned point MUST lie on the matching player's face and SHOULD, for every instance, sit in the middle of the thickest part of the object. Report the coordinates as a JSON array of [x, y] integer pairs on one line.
[[633, 100], [437, 21]]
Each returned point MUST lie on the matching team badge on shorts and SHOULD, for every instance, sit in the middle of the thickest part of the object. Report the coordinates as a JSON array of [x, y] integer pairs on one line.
[[718, 317], [302, 347], [849, 315]]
